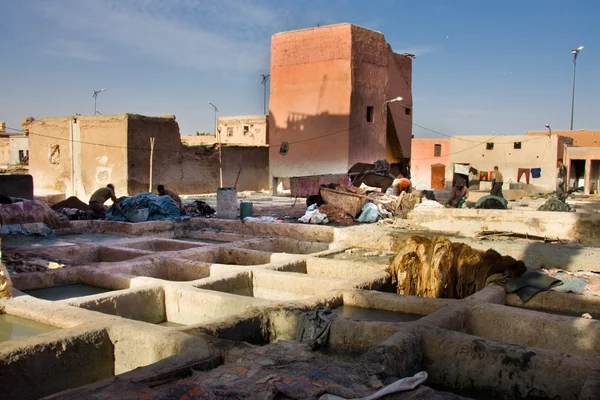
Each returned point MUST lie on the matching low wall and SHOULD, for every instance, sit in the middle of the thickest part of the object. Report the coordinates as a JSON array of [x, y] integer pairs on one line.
[[196, 170], [569, 226]]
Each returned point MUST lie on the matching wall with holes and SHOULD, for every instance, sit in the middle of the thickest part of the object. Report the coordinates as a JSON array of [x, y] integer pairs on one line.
[[328, 88], [509, 153], [76, 155], [425, 154]]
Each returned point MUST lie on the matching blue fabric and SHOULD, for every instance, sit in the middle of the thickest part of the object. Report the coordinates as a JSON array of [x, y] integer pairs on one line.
[[536, 172], [159, 207]]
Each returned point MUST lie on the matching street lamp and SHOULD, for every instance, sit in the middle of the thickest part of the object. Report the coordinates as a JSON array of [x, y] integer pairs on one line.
[[218, 136], [95, 96], [386, 102], [264, 82], [575, 52]]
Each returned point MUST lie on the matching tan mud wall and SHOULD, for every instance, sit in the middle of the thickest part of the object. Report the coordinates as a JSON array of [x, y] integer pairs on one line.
[[100, 148], [116, 149], [311, 85], [4, 150]]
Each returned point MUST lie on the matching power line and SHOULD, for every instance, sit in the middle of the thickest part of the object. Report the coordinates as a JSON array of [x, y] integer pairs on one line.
[[13, 129], [213, 154]]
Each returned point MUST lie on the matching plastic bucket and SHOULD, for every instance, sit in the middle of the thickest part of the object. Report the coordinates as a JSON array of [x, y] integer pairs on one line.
[[138, 215], [227, 203], [245, 209]]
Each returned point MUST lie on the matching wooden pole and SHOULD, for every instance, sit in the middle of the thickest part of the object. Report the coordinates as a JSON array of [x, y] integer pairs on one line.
[[151, 157]]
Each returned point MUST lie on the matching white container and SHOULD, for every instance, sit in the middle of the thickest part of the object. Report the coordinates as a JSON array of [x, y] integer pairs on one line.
[[227, 203]]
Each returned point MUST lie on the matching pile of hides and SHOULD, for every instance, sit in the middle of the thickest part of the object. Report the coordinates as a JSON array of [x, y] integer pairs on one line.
[[555, 204], [160, 207], [369, 213], [428, 205], [534, 282], [313, 327], [199, 208], [5, 283], [17, 262], [313, 216], [347, 189], [27, 212], [492, 203], [442, 269], [530, 284], [74, 214], [335, 214], [579, 282], [397, 206], [283, 370], [72, 203]]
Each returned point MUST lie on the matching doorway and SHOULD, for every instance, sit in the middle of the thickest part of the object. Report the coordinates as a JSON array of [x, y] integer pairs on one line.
[[576, 174], [438, 176]]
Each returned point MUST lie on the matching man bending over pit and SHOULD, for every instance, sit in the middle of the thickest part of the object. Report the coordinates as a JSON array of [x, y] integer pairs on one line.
[[100, 197], [168, 192]]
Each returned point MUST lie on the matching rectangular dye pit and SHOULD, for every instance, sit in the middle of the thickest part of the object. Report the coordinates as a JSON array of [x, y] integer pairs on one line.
[[318, 266], [363, 255], [63, 292], [201, 241], [170, 269], [92, 238], [13, 328], [346, 337], [557, 303], [67, 239], [369, 314], [214, 236], [182, 306], [230, 256], [82, 255], [535, 329], [158, 245], [23, 241], [72, 358], [290, 246], [272, 285], [367, 305]]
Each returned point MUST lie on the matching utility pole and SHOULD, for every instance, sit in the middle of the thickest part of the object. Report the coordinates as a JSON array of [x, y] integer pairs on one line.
[[575, 52], [218, 136], [95, 96], [265, 78]]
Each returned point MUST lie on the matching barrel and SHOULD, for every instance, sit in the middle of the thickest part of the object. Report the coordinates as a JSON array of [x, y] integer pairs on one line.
[[245, 209], [227, 203]]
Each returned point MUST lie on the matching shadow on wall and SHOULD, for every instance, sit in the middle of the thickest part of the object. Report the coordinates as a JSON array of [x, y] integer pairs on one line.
[[307, 144], [195, 169], [570, 256]]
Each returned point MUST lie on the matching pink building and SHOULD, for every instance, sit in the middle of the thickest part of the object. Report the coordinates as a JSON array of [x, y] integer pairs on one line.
[[328, 110], [429, 162]]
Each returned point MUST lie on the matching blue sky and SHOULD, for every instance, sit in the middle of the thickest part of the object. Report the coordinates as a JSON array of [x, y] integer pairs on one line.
[[482, 67]]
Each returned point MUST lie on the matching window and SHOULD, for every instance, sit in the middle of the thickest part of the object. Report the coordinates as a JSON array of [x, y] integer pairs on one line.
[[407, 111], [437, 150], [489, 146], [24, 156], [246, 129], [230, 131], [370, 114], [517, 145]]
